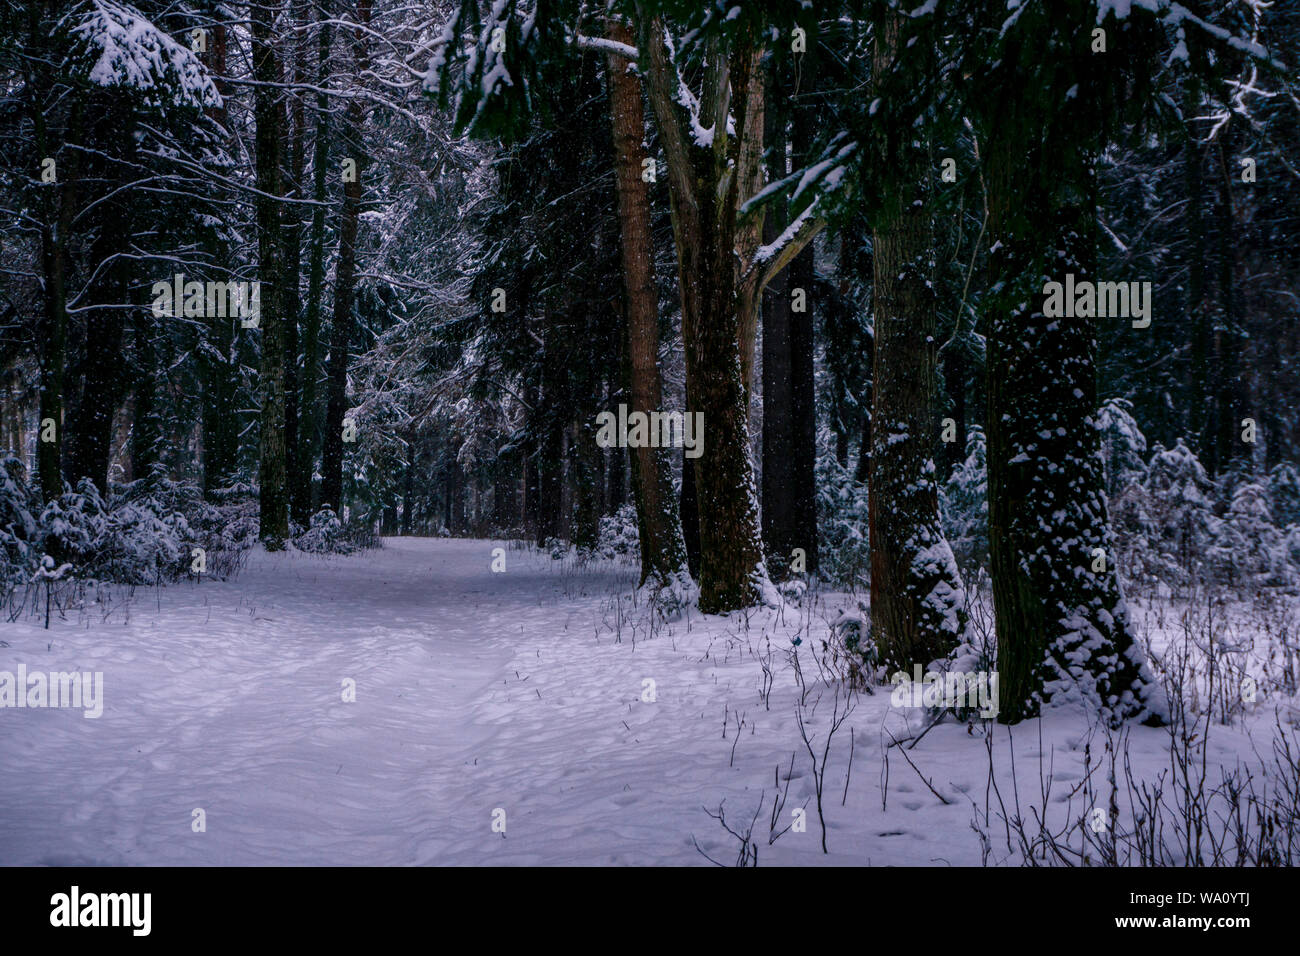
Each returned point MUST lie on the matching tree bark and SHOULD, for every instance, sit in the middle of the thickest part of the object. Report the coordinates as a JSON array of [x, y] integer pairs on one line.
[[1061, 617], [917, 600], [309, 419], [663, 551], [345, 277], [56, 224], [101, 370], [295, 155], [704, 202], [779, 536], [269, 118], [220, 419]]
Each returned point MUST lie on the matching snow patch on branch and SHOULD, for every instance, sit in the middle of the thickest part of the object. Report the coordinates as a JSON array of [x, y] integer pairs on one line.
[[126, 49]]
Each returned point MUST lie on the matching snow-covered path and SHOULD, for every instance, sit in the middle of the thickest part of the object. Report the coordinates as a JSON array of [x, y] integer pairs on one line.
[[476, 692], [228, 698]]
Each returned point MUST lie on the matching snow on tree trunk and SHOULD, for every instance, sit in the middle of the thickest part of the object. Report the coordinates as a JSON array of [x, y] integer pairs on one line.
[[916, 591], [1062, 621]]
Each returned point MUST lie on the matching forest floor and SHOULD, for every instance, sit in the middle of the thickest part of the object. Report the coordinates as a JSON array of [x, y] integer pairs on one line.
[[525, 692]]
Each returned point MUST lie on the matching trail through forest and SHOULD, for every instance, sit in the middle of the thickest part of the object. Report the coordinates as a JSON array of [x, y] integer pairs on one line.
[[528, 692]]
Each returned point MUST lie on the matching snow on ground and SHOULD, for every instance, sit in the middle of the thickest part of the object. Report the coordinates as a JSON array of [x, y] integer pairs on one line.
[[524, 691]]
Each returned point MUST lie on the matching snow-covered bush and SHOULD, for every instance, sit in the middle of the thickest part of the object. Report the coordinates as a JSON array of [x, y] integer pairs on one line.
[[325, 536], [72, 524], [964, 509], [1284, 492], [793, 590], [619, 536], [1250, 550], [144, 533], [843, 558], [1123, 446], [141, 546], [328, 534], [849, 648], [1180, 527], [19, 545], [135, 538], [1177, 526]]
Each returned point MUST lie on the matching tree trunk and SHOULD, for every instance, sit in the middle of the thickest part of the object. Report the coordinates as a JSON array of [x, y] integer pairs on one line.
[[1200, 426], [269, 117], [663, 551], [309, 431], [345, 278], [917, 600], [1228, 402], [146, 429], [779, 535], [550, 438], [101, 367], [341, 331], [1061, 618], [220, 363], [299, 478], [56, 225], [732, 574]]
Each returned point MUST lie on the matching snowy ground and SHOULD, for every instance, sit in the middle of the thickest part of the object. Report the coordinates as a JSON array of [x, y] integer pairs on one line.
[[523, 691]]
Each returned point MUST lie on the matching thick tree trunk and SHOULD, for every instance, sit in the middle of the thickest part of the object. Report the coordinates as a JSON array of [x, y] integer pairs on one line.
[[663, 551], [917, 600], [732, 574], [731, 556], [269, 117], [689, 512], [1062, 621], [341, 331]]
